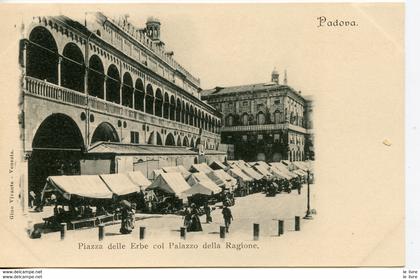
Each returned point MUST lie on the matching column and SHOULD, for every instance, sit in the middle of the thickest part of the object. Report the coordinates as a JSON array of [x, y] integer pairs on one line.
[[133, 98], [59, 71], [105, 78]]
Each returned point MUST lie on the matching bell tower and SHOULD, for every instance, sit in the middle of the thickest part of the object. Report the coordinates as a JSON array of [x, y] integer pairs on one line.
[[153, 28]]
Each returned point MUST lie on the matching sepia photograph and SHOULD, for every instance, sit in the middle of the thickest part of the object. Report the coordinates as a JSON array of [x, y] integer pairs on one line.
[[185, 135]]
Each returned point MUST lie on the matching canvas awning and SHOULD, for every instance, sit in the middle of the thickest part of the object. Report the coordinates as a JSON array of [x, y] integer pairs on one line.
[[300, 172], [120, 184], [283, 169], [262, 170], [203, 167], [263, 164], [197, 189], [218, 181], [157, 172], [230, 182], [172, 183], [202, 178], [217, 165], [179, 169], [251, 172], [280, 173], [87, 186], [139, 179], [238, 173]]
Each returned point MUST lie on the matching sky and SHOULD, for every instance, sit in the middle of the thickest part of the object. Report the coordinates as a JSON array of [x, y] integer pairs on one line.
[[227, 45]]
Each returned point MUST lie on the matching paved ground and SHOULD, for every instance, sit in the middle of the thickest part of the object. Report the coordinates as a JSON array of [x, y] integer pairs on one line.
[[255, 208]]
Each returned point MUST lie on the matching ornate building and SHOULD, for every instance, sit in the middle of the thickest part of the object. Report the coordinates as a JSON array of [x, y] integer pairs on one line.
[[264, 121], [99, 90]]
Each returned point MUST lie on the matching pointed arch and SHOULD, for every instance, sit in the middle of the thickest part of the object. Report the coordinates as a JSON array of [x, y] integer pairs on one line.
[[178, 141], [105, 132], [170, 140], [139, 95], [185, 141]]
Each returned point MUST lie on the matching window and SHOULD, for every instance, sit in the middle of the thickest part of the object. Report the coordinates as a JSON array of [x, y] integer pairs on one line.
[[245, 103], [244, 137], [277, 117], [134, 137], [277, 102], [229, 120], [261, 118], [245, 119], [276, 137]]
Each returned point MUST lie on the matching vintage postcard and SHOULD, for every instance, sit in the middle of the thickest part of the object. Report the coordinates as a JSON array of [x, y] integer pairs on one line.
[[202, 135]]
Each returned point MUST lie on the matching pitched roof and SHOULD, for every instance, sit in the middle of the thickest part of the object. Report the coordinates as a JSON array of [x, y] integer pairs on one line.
[[138, 149]]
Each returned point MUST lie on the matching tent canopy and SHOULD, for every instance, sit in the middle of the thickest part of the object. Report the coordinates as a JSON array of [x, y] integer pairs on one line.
[[280, 173], [230, 182], [139, 179], [264, 171], [120, 183], [87, 186], [217, 165], [251, 172], [172, 183], [203, 167], [263, 164], [202, 178], [237, 173], [157, 172], [179, 169], [197, 189], [217, 180]]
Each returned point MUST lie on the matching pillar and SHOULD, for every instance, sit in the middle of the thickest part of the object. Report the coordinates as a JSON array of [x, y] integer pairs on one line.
[[105, 78], [60, 59]]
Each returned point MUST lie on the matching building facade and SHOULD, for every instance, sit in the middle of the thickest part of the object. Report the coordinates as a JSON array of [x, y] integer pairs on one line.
[[264, 121], [105, 81]]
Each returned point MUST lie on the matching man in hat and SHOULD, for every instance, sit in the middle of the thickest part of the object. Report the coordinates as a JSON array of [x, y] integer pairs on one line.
[[227, 216]]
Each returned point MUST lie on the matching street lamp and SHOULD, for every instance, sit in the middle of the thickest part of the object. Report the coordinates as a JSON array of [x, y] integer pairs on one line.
[[308, 210]]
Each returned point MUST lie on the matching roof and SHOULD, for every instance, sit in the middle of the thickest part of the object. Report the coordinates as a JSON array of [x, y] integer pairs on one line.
[[262, 170], [88, 186], [201, 177], [120, 183], [172, 183], [138, 149], [250, 172], [203, 167], [217, 180], [218, 90], [197, 189]]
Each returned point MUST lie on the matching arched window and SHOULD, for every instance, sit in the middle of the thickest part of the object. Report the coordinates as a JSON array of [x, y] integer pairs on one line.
[[96, 77], [245, 120], [105, 132], [277, 117], [149, 99], [172, 108], [139, 95], [158, 103], [229, 120], [73, 68], [127, 91], [166, 106], [260, 118], [113, 82], [178, 110], [42, 56]]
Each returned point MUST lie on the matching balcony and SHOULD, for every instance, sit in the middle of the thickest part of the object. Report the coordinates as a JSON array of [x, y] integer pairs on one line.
[[45, 90], [265, 127]]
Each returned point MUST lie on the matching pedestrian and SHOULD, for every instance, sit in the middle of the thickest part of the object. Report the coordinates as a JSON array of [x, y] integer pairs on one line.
[[227, 216], [207, 210], [195, 220], [32, 199], [187, 218], [127, 218]]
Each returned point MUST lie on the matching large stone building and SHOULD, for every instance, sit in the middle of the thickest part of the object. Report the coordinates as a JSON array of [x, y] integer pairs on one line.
[[264, 121], [106, 96]]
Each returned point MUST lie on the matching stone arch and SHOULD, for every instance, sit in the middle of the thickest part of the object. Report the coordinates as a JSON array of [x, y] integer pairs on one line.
[[170, 140], [185, 141], [42, 55], [113, 83], [277, 157], [139, 95], [166, 106], [105, 132], [178, 110], [158, 103], [158, 138], [127, 90], [192, 143], [57, 148], [73, 68], [178, 141], [261, 156], [96, 77], [172, 108], [150, 99]]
